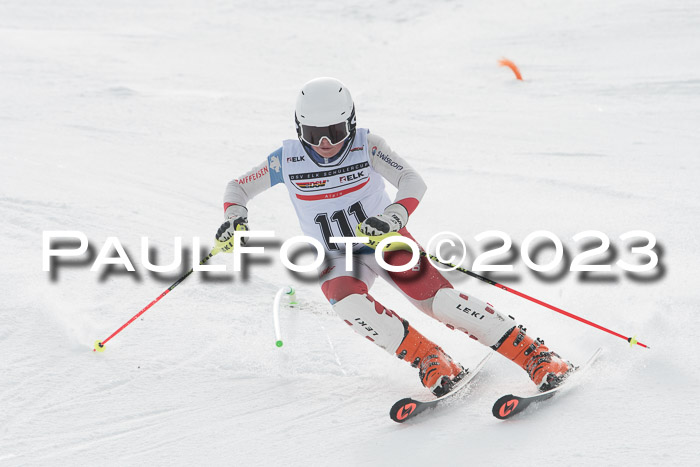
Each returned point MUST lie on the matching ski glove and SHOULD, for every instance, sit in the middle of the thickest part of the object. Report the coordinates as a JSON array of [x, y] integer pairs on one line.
[[237, 220], [394, 217]]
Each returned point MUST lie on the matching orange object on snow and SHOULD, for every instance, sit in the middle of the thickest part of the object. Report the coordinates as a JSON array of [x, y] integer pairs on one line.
[[512, 66], [545, 368], [436, 369]]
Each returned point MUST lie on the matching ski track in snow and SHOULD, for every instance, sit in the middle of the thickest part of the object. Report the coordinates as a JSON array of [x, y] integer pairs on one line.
[[128, 120]]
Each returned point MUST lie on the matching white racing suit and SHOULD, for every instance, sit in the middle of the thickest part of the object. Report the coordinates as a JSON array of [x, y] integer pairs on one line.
[[330, 198]]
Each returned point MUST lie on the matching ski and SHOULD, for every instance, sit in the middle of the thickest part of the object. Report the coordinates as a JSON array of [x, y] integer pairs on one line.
[[510, 405], [408, 408]]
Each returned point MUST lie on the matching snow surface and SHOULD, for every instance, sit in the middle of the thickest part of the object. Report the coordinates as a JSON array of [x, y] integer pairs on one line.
[[127, 119]]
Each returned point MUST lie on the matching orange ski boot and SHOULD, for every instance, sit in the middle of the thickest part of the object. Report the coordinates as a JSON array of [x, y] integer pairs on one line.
[[437, 371], [545, 368]]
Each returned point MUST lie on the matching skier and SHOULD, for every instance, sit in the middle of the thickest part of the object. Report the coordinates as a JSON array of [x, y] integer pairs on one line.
[[334, 173]]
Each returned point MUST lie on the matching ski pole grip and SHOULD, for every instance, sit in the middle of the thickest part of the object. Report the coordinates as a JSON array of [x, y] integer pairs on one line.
[[374, 240]]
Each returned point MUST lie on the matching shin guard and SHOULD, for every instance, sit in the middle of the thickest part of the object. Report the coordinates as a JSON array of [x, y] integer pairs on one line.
[[468, 314]]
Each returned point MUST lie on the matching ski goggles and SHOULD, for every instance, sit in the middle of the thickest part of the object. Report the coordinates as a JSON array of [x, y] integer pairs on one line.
[[333, 133]]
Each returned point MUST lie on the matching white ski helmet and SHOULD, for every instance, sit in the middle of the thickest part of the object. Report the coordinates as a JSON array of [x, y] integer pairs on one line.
[[325, 110]]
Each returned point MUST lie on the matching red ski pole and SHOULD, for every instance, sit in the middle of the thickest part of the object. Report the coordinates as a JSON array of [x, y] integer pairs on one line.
[[374, 242], [631, 340], [220, 246]]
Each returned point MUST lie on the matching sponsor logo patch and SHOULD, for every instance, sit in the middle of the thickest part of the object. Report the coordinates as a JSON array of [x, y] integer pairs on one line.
[[295, 159], [275, 164], [329, 173], [508, 407], [469, 311], [254, 176], [351, 177], [311, 184], [406, 410], [387, 159]]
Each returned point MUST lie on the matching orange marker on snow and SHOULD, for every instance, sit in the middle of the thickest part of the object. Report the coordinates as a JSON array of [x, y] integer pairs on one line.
[[511, 65]]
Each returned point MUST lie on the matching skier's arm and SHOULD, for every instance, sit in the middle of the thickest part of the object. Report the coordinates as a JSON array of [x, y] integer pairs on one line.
[[405, 178], [240, 190], [397, 171]]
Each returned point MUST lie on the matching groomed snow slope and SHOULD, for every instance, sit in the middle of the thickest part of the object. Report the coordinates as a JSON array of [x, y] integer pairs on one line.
[[127, 119]]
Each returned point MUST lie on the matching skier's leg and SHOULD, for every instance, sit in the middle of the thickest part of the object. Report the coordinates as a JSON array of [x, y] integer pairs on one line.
[[432, 293], [348, 293]]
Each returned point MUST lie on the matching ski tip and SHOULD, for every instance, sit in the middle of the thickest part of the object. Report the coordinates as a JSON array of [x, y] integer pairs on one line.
[[505, 406], [402, 410]]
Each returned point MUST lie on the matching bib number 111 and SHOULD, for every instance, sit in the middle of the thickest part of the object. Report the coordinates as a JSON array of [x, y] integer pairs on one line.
[[342, 221]]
